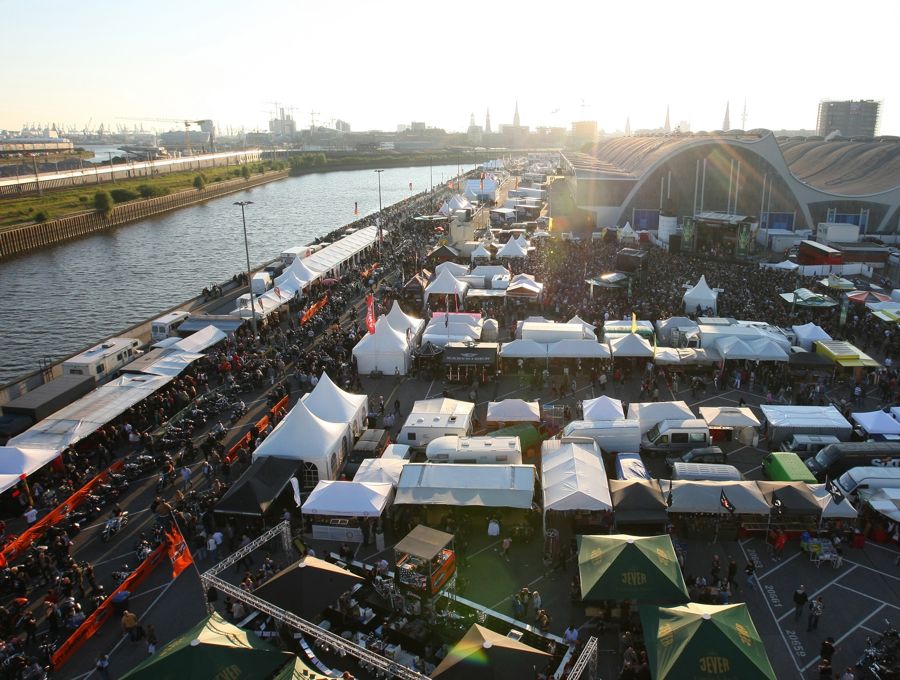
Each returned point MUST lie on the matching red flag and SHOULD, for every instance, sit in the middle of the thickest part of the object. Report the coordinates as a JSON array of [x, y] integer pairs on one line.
[[370, 314], [178, 551]]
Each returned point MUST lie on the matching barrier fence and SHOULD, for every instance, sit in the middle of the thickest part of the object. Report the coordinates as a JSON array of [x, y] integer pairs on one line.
[[261, 424], [15, 548]]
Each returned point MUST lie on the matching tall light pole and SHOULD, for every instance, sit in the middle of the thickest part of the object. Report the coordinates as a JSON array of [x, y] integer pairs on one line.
[[247, 252], [378, 172]]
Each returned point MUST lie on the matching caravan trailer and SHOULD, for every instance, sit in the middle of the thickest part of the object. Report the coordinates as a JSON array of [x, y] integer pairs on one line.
[[495, 450], [433, 418], [103, 361], [167, 325]]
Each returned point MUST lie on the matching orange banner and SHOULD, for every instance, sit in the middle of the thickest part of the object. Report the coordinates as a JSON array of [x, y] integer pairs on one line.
[[276, 410], [101, 615], [12, 551], [311, 312], [179, 553], [368, 272]]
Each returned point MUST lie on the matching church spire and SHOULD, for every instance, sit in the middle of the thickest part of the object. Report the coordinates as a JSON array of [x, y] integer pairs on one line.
[[667, 127], [487, 122], [726, 124], [628, 127], [516, 115]]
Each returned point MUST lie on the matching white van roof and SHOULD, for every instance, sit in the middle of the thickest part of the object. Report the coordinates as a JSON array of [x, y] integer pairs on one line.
[[706, 471], [172, 317]]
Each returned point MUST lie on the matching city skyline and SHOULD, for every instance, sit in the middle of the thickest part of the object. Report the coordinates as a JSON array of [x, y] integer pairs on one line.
[[206, 64]]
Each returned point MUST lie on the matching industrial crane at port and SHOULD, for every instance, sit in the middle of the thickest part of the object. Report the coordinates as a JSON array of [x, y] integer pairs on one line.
[[187, 129]]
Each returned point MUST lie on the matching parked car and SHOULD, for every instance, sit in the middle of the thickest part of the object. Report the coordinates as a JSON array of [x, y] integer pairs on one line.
[[708, 454]]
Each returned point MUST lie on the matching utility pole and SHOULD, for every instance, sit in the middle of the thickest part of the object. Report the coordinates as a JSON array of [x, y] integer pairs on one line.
[[37, 177], [378, 172], [247, 252]]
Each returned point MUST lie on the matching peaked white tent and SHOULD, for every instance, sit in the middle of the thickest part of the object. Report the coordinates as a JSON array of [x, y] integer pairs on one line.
[[626, 233], [512, 249], [524, 349], [734, 348], [403, 322], [524, 285], [631, 345], [650, 413], [296, 277], [728, 416], [453, 267], [766, 350], [15, 461], [481, 251], [380, 470], [602, 408], [589, 328], [787, 265], [809, 333], [570, 348], [522, 241], [329, 402], [489, 271], [304, 436], [446, 284], [877, 422], [514, 410], [574, 478], [387, 350], [700, 294], [830, 509], [348, 499]]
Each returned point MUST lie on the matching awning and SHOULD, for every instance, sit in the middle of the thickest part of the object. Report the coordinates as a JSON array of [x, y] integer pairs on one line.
[[423, 542], [478, 354], [574, 478], [706, 497], [844, 354], [348, 499], [514, 411], [728, 416], [489, 486], [877, 422], [794, 498]]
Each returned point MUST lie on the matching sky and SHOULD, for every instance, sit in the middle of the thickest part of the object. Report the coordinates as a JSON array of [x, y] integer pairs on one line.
[[380, 64]]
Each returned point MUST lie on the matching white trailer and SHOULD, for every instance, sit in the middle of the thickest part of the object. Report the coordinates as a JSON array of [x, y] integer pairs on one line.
[[103, 361], [490, 450]]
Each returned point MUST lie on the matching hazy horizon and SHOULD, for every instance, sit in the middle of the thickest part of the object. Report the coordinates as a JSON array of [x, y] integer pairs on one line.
[[380, 65]]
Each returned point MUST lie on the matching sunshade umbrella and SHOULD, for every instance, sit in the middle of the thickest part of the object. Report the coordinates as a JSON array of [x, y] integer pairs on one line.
[[837, 283], [623, 567], [862, 297], [307, 587], [213, 648], [704, 640], [483, 654]]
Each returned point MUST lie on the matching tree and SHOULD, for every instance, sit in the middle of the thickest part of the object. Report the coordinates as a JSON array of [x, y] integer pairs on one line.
[[103, 202], [199, 182], [245, 171]]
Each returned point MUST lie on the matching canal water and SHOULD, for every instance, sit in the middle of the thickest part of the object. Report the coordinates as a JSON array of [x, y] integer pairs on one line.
[[63, 299]]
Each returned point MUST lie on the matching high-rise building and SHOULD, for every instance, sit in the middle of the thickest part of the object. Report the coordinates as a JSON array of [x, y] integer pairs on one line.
[[848, 118]]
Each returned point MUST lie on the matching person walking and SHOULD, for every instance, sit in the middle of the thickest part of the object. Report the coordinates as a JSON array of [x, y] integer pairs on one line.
[[186, 477], [504, 548], [750, 570], [102, 666], [152, 640], [800, 599], [131, 625], [732, 574], [714, 570], [815, 611], [536, 602], [826, 651]]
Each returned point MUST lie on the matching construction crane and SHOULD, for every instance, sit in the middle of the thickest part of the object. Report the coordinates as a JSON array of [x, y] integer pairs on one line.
[[187, 129]]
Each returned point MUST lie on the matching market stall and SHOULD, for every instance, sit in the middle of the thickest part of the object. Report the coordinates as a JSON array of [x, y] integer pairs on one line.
[[468, 361], [424, 562], [309, 587], [700, 297], [337, 509], [808, 334], [630, 346], [329, 402], [385, 351], [260, 488], [576, 492], [794, 506], [513, 411], [602, 408], [638, 506], [381, 470], [701, 509]]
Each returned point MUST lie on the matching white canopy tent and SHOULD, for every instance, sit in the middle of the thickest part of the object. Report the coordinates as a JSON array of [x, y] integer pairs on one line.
[[170, 362], [403, 322], [728, 416], [453, 267], [341, 251], [665, 327], [514, 411], [883, 501], [524, 285], [786, 265], [489, 271], [705, 497], [734, 348], [809, 333], [380, 470], [524, 349], [667, 356], [626, 233], [303, 436], [650, 413], [348, 499], [446, 284], [489, 486], [574, 478], [577, 349], [876, 422], [15, 462], [830, 509], [700, 294], [589, 329], [296, 276], [522, 241], [196, 342], [481, 252], [512, 249], [767, 350], [631, 345], [329, 402], [387, 350], [602, 408]]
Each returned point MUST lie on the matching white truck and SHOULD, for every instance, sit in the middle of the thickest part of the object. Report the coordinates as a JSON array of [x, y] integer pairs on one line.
[[612, 436]]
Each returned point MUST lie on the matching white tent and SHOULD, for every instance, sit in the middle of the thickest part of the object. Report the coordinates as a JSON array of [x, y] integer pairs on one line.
[[514, 410], [445, 209], [302, 435], [667, 356], [457, 202], [589, 328], [630, 345], [524, 349], [446, 284], [787, 265], [387, 350], [489, 271], [574, 478], [767, 350], [15, 461], [329, 402], [700, 294], [512, 249], [481, 251], [578, 349], [348, 499], [461, 484], [524, 285], [626, 233], [705, 497], [809, 333], [403, 322], [522, 241], [830, 509], [665, 327], [734, 348], [650, 413], [453, 267], [380, 470], [728, 416], [295, 277], [877, 422], [602, 408]]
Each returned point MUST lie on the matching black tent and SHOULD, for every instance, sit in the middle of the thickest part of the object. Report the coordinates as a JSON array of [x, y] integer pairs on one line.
[[637, 501], [255, 491], [308, 587], [795, 498]]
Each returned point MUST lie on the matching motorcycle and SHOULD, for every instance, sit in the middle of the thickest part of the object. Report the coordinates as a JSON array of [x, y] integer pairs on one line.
[[164, 480], [880, 656], [121, 574], [238, 412], [113, 526]]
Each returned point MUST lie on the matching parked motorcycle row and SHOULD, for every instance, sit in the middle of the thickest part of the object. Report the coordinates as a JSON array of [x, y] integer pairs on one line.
[[881, 658]]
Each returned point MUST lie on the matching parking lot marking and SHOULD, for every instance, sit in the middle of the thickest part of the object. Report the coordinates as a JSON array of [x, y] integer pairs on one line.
[[870, 630], [884, 547], [779, 565], [845, 635], [866, 566], [832, 582], [772, 614], [860, 593]]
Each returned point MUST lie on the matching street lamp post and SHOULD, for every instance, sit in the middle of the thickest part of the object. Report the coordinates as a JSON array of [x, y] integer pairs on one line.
[[247, 252], [378, 172]]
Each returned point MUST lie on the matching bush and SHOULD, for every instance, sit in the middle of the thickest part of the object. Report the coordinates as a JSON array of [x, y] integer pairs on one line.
[[199, 182], [41, 216], [245, 171], [151, 191], [103, 202], [82, 199], [123, 195]]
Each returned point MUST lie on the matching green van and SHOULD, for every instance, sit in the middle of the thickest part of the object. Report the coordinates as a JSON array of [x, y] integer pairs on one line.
[[785, 466]]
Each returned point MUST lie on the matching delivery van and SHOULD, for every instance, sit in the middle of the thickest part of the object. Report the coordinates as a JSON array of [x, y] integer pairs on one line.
[[806, 445], [835, 460], [864, 478], [490, 450], [700, 472], [676, 435], [371, 444], [167, 325], [630, 466], [260, 282], [612, 436], [787, 466]]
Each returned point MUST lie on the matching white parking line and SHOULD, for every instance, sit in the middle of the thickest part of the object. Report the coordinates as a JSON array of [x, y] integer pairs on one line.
[[832, 582], [861, 594], [844, 636], [865, 566], [779, 565]]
